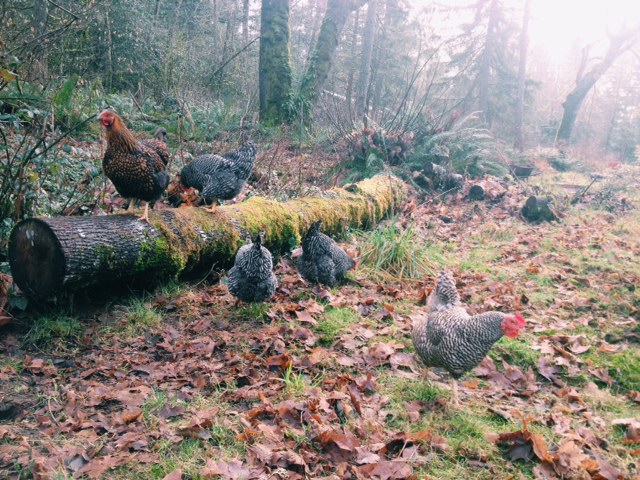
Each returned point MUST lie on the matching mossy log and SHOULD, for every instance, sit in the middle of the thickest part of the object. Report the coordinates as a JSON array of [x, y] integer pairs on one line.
[[51, 255]]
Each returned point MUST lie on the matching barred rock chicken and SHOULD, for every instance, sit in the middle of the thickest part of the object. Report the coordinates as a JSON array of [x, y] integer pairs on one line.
[[252, 279], [450, 338], [322, 260], [219, 177], [136, 168]]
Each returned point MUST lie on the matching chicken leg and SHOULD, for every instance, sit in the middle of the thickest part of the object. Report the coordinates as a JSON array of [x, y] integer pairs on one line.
[[211, 208], [454, 393], [145, 215]]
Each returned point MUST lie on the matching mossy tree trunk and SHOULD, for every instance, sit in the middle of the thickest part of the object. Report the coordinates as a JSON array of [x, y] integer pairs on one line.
[[275, 64], [322, 57], [51, 255]]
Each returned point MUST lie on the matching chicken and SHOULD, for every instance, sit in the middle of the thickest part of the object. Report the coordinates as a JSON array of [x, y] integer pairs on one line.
[[159, 144], [136, 168], [322, 260], [252, 279], [219, 177], [450, 338]]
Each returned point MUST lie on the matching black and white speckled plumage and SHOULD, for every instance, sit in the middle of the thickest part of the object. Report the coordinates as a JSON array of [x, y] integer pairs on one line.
[[448, 336], [252, 279], [220, 177], [444, 294], [322, 260], [454, 340]]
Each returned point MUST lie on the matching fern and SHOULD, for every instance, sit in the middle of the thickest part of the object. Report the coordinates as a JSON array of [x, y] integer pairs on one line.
[[464, 148]]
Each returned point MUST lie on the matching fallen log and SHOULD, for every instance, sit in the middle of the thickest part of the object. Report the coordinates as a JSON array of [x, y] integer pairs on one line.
[[51, 255], [538, 209]]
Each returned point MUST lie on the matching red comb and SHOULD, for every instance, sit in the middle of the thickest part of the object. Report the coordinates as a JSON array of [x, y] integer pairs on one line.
[[520, 319]]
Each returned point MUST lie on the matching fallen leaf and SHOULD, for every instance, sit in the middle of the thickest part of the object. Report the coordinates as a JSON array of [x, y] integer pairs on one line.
[[393, 470], [305, 316], [175, 475]]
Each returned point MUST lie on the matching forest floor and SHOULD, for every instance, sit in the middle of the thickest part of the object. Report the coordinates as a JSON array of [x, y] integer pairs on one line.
[[182, 383]]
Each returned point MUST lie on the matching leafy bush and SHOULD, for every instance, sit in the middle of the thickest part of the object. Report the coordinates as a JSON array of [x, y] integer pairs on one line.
[[37, 176]]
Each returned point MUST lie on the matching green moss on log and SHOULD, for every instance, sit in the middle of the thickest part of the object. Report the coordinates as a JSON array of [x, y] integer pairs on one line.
[[90, 250]]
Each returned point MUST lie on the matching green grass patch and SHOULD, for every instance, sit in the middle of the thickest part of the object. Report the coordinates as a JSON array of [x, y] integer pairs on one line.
[[253, 312], [333, 322], [51, 330], [295, 383], [139, 318], [389, 251], [516, 351], [623, 366]]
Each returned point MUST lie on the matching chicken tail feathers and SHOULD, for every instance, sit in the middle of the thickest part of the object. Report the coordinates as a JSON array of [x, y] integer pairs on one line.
[[444, 293]]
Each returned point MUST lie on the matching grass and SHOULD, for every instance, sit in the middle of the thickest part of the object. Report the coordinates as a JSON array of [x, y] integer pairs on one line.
[[189, 455], [253, 312], [516, 351], [573, 281], [623, 366], [50, 331], [138, 318], [333, 322], [391, 252], [295, 383]]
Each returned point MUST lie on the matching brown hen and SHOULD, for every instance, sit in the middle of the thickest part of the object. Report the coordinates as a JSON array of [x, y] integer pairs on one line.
[[136, 168]]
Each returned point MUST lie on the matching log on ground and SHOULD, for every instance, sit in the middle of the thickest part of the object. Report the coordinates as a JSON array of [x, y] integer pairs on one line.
[[51, 255]]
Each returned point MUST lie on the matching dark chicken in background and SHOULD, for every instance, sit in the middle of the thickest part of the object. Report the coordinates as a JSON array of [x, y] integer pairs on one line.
[[219, 177], [252, 279], [448, 337], [136, 168], [322, 260]]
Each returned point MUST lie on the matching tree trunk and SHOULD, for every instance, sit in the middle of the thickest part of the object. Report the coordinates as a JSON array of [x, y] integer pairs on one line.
[[218, 78], [367, 54], [245, 22], [619, 44], [382, 52], [488, 54], [318, 68], [522, 75], [275, 65], [40, 23], [51, 255], [109, 51], [354, 42]]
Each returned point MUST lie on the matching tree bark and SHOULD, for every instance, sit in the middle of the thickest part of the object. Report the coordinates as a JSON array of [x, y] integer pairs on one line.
[[51, 255], [275, 64], [318, 68], [367, 54], [40, 23], [619, 44], [522, 75], [488, 57], [109, 50], [352, 66], [245, 21]]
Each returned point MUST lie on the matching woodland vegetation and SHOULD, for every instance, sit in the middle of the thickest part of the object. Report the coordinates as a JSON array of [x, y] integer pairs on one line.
[[476, 120]]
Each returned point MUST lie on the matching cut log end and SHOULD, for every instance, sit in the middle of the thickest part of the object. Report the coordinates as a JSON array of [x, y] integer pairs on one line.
[[36, 258]]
